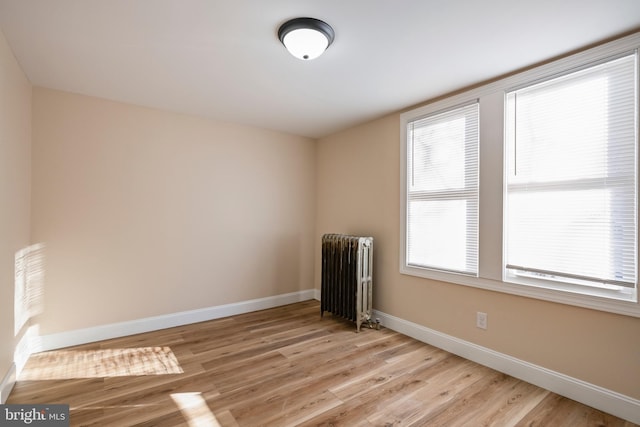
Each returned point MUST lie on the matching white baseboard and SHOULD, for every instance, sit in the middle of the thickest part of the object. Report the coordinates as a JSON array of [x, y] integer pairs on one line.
[[592, 395], [7, 383], [116, 330]]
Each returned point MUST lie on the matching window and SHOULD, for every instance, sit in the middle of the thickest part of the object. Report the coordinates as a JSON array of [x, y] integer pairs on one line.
[[531, 188], [571, 178], [442, 190]]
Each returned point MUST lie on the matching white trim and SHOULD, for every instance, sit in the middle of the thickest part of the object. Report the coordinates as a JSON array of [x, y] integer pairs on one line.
[[121, 329], [589, 394], [24, 348], [7, 383]]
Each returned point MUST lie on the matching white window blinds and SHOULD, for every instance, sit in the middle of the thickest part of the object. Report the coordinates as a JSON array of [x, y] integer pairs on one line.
[[442, 191], [571, 177]]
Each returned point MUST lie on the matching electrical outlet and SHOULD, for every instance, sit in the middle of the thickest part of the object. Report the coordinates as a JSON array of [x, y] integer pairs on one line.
[[481, 320]]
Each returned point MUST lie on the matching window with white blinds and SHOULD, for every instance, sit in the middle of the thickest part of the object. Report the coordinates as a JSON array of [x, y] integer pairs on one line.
[[528, 184], [570, 207], [442, 191]]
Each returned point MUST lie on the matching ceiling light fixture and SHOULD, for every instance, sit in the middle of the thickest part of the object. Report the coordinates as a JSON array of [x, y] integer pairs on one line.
[[306, 38]]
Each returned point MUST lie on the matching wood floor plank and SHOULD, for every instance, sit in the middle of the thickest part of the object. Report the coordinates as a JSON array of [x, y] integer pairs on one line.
[[428, 403], [287, 366], [425, 359], [558, 410], [510, 406], [479, 398]]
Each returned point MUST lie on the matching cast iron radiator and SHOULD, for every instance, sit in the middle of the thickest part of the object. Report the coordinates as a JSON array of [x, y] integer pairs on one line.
[[347, 277]]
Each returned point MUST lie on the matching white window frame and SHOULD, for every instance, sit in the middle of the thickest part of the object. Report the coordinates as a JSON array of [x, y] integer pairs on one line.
[[467, 192], [492, 187]]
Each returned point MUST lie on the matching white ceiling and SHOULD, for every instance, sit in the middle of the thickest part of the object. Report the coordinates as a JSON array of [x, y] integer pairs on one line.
[[222, 59]]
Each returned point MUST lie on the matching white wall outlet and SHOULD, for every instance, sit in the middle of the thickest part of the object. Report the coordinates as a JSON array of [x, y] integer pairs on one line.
[[481, 320]]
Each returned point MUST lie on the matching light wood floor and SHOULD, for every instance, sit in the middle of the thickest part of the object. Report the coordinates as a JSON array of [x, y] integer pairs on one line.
[[286, 367]]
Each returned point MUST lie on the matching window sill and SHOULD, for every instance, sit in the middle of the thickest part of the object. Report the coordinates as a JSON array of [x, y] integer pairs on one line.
[[620, 304]]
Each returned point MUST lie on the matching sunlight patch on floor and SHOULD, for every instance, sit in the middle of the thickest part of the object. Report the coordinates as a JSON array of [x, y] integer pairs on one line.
[[195, 409], [69, 364]]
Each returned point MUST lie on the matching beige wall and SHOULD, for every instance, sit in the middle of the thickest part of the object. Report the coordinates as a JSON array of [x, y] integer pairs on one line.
[[15, 170], [145, 212], [358, 191]]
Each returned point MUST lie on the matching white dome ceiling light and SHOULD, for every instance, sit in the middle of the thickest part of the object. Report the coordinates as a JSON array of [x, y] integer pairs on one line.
[[306, 38]]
